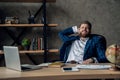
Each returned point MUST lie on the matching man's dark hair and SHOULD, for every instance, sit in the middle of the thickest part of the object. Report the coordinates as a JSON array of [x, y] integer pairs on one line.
[[88, 23]]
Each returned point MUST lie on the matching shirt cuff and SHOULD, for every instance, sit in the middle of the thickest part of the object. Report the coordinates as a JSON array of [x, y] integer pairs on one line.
[[75, 30]]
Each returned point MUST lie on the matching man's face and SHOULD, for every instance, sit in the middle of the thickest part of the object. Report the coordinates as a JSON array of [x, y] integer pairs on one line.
[[84, 30]]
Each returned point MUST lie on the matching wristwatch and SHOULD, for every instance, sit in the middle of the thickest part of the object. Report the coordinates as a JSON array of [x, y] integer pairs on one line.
[[93, 59]]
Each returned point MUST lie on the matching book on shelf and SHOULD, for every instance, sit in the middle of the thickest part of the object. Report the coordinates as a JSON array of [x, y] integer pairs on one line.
[[32, 46], [56, 64], [40, 43]]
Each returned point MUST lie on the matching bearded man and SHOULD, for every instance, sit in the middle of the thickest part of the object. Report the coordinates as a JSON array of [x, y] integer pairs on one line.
[[80, 46]]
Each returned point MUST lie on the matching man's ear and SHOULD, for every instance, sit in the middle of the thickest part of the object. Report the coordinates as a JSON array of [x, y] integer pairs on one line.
[[78, 30]]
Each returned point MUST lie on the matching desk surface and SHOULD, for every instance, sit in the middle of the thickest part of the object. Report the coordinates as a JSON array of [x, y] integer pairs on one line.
[[56, 74]]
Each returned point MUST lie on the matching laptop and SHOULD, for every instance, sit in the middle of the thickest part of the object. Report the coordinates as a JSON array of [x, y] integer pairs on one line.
[[12, 60]]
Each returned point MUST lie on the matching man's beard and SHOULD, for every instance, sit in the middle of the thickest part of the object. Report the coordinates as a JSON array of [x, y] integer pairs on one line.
[[84, 35]]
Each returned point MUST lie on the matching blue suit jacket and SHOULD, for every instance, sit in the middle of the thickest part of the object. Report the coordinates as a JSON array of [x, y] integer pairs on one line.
[[95, 46]]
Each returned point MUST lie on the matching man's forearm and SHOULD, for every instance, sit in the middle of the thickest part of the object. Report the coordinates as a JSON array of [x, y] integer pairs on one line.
[[65, 34]]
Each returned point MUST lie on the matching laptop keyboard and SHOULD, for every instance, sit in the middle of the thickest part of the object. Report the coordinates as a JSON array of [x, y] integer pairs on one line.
[[29, 66], [25, 68]]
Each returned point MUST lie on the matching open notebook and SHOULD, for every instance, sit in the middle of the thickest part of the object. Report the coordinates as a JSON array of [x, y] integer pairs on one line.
[[12, 60]]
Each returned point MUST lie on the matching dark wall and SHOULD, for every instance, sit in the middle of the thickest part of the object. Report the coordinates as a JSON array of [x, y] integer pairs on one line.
[[103, 14]]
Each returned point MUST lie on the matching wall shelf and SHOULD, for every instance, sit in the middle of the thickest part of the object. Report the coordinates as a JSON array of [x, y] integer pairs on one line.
[[34, 51], [27, 25], [44, 25], [30, 1]]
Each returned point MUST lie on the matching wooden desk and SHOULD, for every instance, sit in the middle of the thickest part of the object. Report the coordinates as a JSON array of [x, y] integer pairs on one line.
[[57, 74]]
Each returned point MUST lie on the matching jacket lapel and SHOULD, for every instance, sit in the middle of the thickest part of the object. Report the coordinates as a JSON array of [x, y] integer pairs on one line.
[[87, 46]]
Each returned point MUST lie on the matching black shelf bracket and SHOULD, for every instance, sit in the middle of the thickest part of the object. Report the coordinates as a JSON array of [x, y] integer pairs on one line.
[[45, 31]]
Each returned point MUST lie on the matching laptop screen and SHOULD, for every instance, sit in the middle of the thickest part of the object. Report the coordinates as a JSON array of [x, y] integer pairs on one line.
[[12, 58]]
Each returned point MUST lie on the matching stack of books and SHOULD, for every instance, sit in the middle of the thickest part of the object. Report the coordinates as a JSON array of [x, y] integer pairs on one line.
[[36, 43]]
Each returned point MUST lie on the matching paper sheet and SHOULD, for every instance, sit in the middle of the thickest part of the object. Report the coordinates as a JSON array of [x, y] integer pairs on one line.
[[92, 66]]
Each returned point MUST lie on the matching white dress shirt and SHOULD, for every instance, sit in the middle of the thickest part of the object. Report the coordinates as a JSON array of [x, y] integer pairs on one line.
[[77, 49]]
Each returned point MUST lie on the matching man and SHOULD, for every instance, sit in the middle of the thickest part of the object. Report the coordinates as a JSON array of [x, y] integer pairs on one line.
[[84, 47]]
